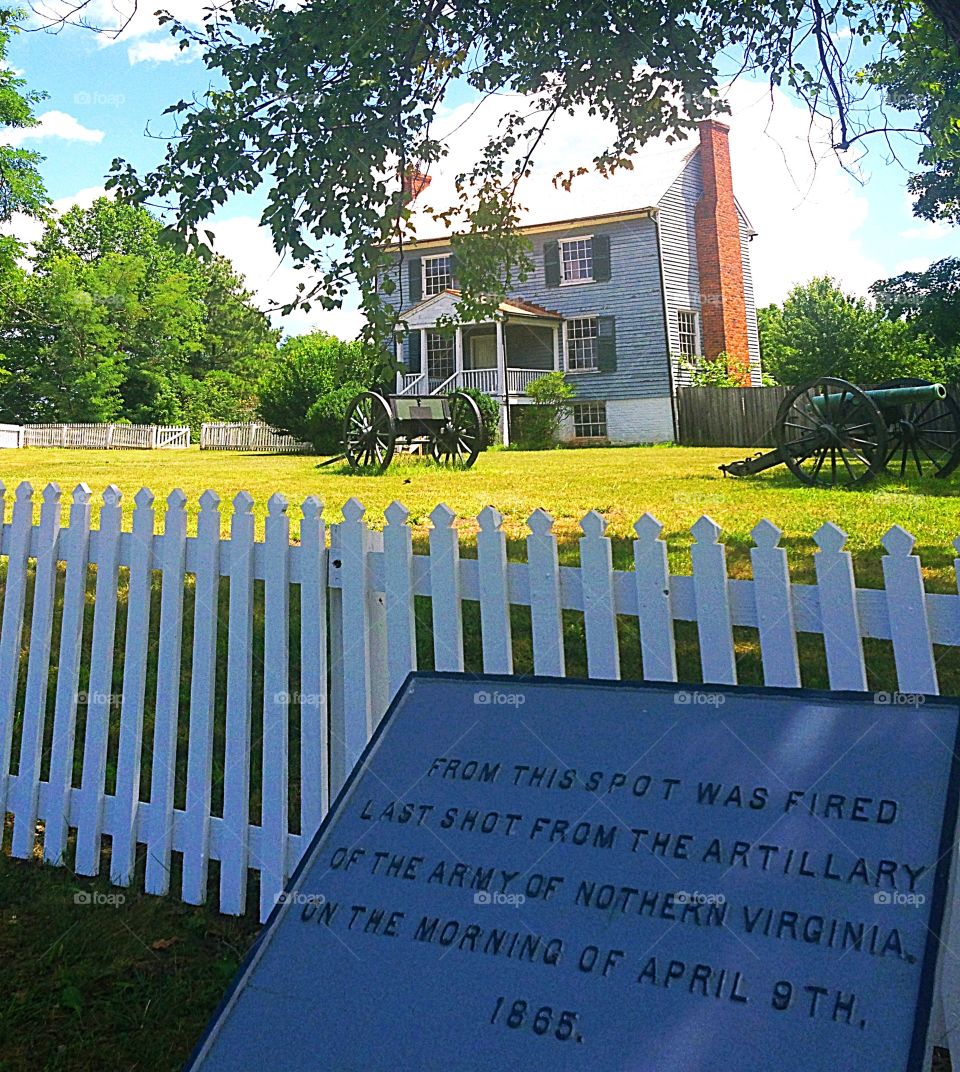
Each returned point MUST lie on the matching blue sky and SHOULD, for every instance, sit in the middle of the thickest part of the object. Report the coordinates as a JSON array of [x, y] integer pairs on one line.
[[810, 219]]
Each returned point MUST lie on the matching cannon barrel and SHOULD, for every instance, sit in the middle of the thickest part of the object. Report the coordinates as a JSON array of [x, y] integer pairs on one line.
[[891, 396]]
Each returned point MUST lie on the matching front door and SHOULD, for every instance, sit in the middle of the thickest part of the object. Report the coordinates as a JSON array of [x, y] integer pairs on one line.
[[483, 351]]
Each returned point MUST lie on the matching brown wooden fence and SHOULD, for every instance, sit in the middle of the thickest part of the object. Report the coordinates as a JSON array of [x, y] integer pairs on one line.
[[727, 416]]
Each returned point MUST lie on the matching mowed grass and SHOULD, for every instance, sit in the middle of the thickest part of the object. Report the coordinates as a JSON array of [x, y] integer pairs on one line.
[[131, 985]]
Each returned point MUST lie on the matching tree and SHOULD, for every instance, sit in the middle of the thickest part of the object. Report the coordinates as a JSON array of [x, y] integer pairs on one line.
[[928, 300], [820, 331], [305, 392], [332, 110]]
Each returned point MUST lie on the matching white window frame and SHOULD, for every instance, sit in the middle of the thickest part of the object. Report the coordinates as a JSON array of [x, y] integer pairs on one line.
[[698, 345], [566, 345], [431, 346], [423, 273], [602, 405], [564, 282]]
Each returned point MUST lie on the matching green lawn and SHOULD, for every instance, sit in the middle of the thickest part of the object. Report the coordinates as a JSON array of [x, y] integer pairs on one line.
[[130, 986]]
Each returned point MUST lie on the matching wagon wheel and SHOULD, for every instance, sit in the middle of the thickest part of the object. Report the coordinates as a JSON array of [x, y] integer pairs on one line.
[[369, 432], [922, 435], [460, 439], [831, 434]]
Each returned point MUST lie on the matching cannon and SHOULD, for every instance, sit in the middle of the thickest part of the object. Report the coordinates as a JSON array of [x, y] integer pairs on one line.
[[831, 433], [375, 425]]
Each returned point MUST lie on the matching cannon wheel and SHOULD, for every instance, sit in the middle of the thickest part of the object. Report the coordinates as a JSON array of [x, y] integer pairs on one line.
[[923, 434], [458, 442], [830, 434], [369, 432]]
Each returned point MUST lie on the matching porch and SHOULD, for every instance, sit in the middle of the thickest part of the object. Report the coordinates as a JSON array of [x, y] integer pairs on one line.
[[500, 357]]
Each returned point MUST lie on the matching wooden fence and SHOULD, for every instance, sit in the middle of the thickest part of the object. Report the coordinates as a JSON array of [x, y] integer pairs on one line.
[[328, 672], [249, 437], [107, 436], [727, 416]]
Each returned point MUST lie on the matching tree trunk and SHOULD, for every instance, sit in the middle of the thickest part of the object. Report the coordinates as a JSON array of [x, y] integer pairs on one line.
[[948, 12]]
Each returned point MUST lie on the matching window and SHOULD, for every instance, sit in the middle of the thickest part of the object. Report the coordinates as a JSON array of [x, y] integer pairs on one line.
[[582, 335], [437, 274], [576, 260], [688, 329], [590, 420], [440, 358]]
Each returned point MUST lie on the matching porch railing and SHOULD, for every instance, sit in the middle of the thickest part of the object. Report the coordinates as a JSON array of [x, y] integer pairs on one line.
[[488, 380], [519, 379], [409, 382]]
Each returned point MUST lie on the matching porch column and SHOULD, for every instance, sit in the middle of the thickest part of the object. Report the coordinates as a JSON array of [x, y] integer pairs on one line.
[[504, 384], [557, 363], [398, 354], [424, 364], [458, 351]]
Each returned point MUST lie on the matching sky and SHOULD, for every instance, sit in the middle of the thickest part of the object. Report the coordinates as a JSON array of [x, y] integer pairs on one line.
[[813, 215]]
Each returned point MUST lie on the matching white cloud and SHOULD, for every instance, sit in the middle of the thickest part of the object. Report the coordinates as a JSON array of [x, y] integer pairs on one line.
[[54, 125], [163, 51], [30, 230]]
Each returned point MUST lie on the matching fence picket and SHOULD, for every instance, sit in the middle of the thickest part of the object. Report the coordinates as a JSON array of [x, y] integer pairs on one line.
[[774, 600], [839, 614], [907, 611], [100, 698], [38, 675], [77, 541], [235, 828], [314, 782], [714, 623], [276, 706], [599, 608], [206, 607], [398, 585], [136, 645], [546, 615], [657, 642], [494, 594], [445, 590], [17, 550], [355, 725]]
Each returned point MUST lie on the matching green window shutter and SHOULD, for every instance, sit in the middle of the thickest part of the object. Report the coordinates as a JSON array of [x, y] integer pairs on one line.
[[606, 344], [414, 281], [551, 263], [601, 258], [454, 282], [413, 352]]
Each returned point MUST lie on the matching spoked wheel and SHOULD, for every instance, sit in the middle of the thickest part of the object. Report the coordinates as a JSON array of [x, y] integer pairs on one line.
[[923, 436], [369, 432], [831, 434], [460, 439]]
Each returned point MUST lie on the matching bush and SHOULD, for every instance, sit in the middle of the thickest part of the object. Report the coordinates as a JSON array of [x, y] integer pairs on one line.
[[489, 414], [535, 427], [325, 417]]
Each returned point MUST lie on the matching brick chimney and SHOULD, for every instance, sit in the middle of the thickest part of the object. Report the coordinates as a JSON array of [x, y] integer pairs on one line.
[[723, 307]]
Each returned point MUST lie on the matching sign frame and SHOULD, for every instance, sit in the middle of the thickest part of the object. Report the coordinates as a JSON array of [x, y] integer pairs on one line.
[[940, 886]]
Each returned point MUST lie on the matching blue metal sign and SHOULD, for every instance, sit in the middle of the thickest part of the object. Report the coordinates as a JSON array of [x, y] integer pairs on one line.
[[579, 875]]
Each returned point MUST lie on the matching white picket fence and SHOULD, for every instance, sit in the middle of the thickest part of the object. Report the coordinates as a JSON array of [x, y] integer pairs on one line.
[[107, 436], [358, 624], [249, 436]]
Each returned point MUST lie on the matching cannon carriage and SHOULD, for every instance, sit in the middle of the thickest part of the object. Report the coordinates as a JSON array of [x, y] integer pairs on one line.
[[448, 427], [831, 433]]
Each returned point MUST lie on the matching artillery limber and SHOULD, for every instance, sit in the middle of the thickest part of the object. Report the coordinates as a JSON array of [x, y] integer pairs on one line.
[[831, 433], [448, 427]]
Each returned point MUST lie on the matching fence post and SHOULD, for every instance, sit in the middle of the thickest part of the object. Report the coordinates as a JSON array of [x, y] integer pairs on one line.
[[398, 584], [599, 608], [774, 601], [657, 642], [839, 615], [907, 611], [276, 705], [38, 675], [17, 549], [714, 625], [100, 700], [68, 677], [235, 827], [445, 590], [314, 728], [206, 600], [546, 614], [494, 593]]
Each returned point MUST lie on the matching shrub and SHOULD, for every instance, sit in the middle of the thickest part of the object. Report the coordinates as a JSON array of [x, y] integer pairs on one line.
[[536, 427], [325, 417], [489, 414]]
